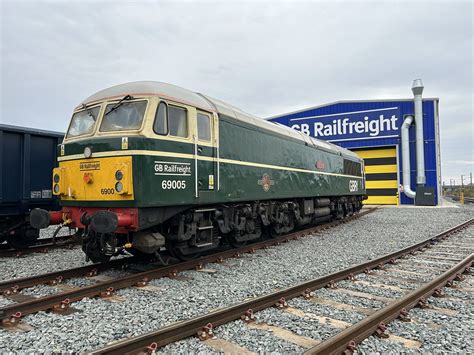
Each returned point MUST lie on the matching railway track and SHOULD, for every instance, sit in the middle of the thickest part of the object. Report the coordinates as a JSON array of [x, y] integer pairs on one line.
[[10, 287], [467, 200], [441, 271], [43, 246], [10, 315]]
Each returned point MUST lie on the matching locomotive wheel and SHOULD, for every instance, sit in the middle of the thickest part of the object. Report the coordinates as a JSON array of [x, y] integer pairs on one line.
[[350, 209], [235, 243], [278, 231], [272, 233], [175, 250], [23, 237], [253, 229]]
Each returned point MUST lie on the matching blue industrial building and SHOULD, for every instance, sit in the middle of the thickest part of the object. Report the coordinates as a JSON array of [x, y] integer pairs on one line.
[[372, 128]]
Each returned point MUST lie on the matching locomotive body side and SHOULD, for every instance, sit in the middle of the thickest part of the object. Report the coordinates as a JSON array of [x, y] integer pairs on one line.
[[260, 164], [220, 175], [247, 153]]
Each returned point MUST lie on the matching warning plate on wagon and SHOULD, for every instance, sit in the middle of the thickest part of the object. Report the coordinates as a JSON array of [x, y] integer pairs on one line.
[[172, 168]]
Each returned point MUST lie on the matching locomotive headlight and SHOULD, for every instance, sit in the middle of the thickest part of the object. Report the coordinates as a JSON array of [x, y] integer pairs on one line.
[[59, 180], [123, 177], [87, 152]]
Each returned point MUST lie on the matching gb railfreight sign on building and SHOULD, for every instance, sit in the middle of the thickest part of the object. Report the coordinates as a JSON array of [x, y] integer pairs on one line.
[[373, 129], [381, 123]]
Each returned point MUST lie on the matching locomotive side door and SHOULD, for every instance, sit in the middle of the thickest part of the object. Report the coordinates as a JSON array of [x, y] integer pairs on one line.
[[206, 155]]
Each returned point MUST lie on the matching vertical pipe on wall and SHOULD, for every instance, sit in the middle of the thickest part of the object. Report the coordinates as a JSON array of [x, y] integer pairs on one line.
[[406, 157], [417, 89]]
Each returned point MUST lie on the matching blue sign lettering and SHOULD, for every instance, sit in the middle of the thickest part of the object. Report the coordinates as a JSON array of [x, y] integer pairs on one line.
[[350, 125]]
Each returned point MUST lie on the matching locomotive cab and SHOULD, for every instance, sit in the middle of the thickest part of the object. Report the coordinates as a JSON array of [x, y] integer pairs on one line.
[[124, 160]]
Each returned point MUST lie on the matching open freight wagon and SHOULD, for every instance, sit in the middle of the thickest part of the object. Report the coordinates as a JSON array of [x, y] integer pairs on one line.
[[27, 158]]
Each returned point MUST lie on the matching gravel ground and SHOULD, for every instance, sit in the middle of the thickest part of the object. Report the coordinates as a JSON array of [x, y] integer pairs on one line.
[[99, 322], [326, 311], [347, 299], [389, 279], [35, 263], [48, 232], [438, 332], [40, 291]]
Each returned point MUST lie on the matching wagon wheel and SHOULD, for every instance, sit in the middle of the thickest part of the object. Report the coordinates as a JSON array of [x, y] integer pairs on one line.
[[23, 237]]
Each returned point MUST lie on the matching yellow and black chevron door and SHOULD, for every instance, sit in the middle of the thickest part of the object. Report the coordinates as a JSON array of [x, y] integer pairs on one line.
[[381, 175]]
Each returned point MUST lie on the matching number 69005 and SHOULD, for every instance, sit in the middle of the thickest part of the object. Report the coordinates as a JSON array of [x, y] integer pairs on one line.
[[173, 184]]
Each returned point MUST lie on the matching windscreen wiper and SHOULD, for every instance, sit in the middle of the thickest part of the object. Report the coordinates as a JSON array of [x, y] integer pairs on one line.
[[89, 111], [120, 103]]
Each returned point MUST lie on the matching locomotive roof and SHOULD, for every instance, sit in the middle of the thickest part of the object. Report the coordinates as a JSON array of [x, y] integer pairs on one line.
[[207, 103]]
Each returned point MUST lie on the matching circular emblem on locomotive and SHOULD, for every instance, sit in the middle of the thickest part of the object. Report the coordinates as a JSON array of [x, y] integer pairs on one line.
[[266, 182]]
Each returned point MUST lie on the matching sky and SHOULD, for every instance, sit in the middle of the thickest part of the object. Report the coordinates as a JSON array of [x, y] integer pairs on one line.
[[266, 57]]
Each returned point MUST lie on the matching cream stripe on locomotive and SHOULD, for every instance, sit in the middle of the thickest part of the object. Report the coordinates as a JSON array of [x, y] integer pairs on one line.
[[191, 156], [381, 175]]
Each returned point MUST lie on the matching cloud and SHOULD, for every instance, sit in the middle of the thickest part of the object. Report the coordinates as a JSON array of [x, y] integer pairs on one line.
[[266, 58], [463, 162]]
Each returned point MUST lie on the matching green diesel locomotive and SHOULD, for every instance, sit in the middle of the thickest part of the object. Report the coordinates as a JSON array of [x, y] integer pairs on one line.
[[147, 165]]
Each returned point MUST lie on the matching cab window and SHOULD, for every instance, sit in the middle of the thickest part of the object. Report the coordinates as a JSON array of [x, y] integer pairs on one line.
[[204, 127], [177, 121], [171, 120], [83, 122], [123, 116], [161, 119]]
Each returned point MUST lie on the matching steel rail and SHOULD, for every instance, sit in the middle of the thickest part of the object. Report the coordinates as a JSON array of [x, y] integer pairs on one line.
[[349, 337], [14, 285], [44, 245], [183, 329], [5, 246], [105, 288]]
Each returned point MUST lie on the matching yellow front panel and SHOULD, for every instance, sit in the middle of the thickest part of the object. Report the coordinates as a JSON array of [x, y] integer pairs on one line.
[[94, 179]]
